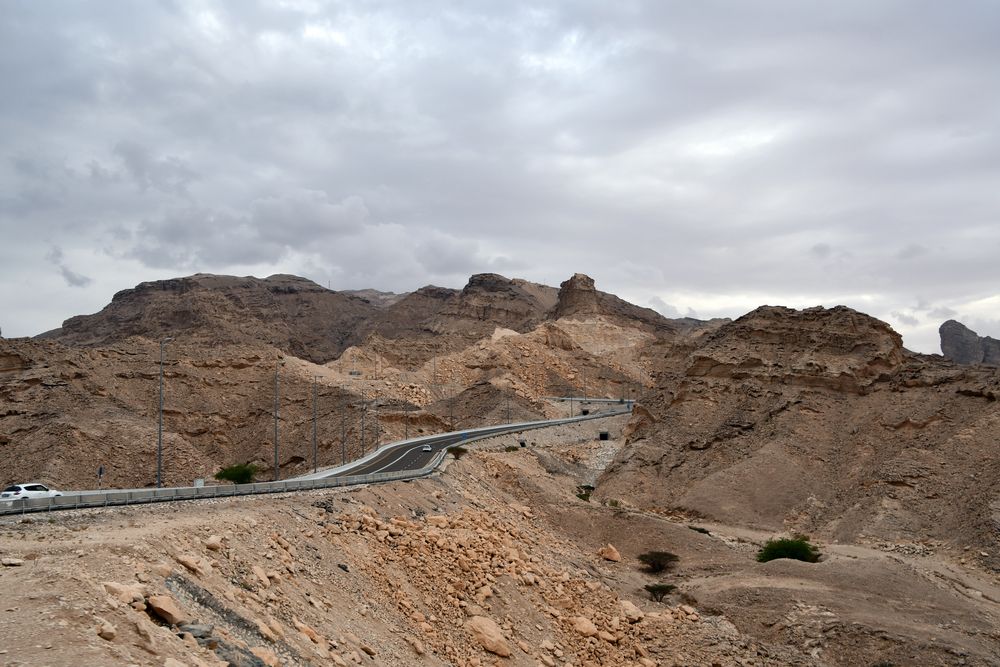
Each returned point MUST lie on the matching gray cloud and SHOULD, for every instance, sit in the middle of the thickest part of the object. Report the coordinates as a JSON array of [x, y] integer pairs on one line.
[[72, 278], [688, 156]]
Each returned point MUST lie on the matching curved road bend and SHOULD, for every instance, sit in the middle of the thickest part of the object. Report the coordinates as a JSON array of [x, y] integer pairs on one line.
[[409, 455]]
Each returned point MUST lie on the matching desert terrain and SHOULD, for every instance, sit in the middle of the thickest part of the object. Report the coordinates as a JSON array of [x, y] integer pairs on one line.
[[782, 422]]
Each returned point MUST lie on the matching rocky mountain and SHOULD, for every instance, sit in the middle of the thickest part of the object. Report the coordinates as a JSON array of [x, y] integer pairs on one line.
[[818, 421], [87, 392], [311, 322], [962, 345], [782, 421], [287, 312]]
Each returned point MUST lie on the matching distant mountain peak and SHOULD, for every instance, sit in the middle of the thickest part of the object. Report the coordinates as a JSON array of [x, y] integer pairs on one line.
[[962, 345]]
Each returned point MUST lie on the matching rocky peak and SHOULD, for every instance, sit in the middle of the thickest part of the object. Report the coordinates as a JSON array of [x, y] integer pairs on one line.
[[577, 296], [488, 282], [837, 348], [961, 344]]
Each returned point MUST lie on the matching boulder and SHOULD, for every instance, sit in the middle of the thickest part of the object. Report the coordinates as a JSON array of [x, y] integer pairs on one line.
[[632, 613], [583, 626], [107, 631], [487, 634], [609, 552], [166, 608], [127, 593]]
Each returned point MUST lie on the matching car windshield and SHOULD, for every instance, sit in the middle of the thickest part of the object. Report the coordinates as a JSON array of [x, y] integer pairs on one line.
[[11, 488]]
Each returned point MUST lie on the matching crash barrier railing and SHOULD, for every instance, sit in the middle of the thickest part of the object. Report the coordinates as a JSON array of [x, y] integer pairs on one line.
[[121, 497]]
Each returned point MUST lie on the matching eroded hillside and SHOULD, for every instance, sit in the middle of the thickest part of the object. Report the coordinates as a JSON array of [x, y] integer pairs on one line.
[[819, 421]]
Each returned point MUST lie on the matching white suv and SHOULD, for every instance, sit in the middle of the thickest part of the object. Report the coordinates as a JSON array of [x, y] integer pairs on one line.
[[26, 491]]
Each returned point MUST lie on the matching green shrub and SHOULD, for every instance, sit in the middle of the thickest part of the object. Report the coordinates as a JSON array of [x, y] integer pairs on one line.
[[658, 561], [511, 448], [584, 495], [797, 548], [458, 452], [613, 503], [657, 591], [241, 473]]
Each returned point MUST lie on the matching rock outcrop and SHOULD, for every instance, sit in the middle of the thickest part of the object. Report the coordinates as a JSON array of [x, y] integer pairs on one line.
[[579, 297], [962, 345]]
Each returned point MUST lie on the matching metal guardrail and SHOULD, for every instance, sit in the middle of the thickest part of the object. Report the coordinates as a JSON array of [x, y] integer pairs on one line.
[[124, 497]]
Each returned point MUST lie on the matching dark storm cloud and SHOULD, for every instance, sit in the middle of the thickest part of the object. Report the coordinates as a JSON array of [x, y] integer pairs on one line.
[[697, 157]]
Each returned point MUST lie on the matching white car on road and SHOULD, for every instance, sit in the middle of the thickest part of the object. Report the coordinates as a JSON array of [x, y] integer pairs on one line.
[[425, 448], [27, 491]]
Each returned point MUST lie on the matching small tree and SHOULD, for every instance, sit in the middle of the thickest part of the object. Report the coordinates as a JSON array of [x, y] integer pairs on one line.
[[657, 591], [241, 473], [797, 548], [658, 561], [457, 452]]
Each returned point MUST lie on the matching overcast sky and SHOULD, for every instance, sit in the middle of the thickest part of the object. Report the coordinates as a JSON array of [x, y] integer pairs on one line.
[[701, 158]]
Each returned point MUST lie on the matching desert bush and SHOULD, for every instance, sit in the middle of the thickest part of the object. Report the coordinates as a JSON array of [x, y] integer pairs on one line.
[[657, 591], [241, 473], [458, 452], [658, 561], [797, 548], [511, 448], [613, 503], [699, 529]]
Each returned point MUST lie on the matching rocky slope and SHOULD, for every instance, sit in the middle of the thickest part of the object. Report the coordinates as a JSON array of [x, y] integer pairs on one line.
[[493, 561], [819, 421], [962, 345]]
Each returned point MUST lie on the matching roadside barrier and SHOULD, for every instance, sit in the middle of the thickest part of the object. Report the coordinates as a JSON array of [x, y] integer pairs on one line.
[[123, 497]]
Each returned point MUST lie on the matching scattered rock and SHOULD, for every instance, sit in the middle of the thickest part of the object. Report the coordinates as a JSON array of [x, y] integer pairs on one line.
[[609, 552], [266, 656], [583, 626], [487, 634], [166, 608], [632, 613], [107, 631], [127, 593]]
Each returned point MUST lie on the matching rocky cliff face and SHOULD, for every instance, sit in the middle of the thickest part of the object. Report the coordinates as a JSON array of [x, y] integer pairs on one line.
[[578, 296], [962, 345]]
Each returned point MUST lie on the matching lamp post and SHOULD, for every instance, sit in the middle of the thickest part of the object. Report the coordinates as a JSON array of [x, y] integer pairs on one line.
[[343, 427], [315, 380], [159, 427], [378, 433], [276, 367]]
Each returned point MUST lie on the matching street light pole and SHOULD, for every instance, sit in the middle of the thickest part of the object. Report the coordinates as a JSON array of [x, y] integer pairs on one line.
[[364, 409], [159, 427], [378, 433], [343, 427], [276, 367], [315, 378]]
